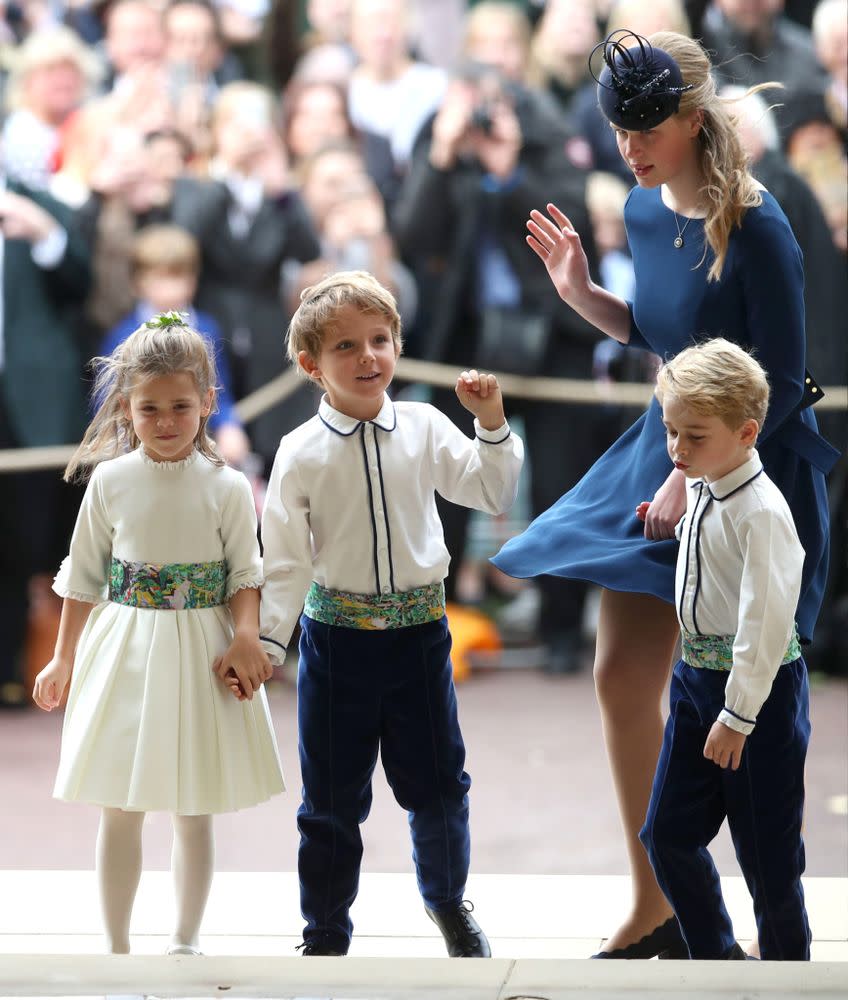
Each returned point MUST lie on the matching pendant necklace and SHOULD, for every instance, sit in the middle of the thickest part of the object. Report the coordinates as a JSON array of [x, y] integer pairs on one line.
[[678, 240]]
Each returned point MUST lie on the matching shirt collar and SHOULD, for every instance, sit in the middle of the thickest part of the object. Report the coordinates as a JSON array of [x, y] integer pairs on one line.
[[245, 189], [721, 489], [342, 424]]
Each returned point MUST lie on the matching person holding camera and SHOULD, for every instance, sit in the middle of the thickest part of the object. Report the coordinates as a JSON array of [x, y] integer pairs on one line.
[[248, 218], [475, 170]]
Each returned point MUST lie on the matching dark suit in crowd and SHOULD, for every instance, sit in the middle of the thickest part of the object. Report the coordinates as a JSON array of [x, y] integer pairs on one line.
[[42, 402], [240, 285], [487, 302]]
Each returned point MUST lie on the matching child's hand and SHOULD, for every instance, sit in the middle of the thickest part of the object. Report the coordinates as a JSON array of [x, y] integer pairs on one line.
[[642, 510], [724, 746], [246, 664], [481, 395], [50, 684], [234, 684]]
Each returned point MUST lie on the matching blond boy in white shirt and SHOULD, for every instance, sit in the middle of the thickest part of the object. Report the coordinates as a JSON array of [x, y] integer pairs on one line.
[[738, 727], [350, 525]]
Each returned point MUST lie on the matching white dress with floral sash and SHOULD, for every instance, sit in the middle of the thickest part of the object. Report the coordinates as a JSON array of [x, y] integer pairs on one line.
[[148, 725]]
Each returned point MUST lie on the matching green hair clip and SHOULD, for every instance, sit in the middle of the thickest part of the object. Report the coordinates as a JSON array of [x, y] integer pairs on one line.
[[166, 319]]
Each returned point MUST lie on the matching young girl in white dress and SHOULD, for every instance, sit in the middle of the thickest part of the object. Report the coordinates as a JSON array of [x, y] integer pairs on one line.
[[161, 602]]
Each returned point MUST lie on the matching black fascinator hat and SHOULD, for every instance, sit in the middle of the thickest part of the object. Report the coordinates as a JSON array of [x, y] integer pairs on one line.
[[639, 85]]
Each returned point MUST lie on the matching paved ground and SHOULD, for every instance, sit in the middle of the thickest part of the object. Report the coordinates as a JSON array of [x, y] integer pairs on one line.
[[542, 799], [541, 929]]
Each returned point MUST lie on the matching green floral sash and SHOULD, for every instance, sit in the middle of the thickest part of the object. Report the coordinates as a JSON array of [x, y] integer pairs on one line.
[[715, 652], [375, 611], [172, 586]]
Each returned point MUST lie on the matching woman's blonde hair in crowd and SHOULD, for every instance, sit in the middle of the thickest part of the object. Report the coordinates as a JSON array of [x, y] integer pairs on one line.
[[320, 303], [729, 189], [717, 379], [149, 352]]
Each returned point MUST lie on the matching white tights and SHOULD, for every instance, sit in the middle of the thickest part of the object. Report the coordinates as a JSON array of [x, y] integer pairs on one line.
[[119, 871]]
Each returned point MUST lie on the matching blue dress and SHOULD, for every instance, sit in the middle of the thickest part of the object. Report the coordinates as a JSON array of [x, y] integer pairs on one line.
[[592, 533]]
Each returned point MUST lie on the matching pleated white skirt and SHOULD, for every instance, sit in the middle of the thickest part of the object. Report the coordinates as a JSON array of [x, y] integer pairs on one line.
[[148, 725]]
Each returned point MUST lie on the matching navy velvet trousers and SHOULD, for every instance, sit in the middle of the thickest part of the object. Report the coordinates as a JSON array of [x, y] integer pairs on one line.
[[763, 802], [360, 694]]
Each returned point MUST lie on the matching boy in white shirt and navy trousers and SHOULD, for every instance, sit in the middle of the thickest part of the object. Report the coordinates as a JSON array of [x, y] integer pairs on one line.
[[350, 524], [738, 727]]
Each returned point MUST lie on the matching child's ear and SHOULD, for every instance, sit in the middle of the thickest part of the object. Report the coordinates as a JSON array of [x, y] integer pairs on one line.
[[206, 403], [125, 407], [696, 123], [308, 364], [748, 433]]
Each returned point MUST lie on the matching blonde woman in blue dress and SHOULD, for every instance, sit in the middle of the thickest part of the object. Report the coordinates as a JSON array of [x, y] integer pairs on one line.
[[713, 255], [161, 602]]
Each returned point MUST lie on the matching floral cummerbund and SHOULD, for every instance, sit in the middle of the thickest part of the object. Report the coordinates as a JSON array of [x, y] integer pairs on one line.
[[715, 652], [375, 611], [170, 586]]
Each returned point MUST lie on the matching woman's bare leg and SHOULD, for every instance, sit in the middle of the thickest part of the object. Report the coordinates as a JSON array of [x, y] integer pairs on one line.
[[637, 634], [118, 861], [192, 867]]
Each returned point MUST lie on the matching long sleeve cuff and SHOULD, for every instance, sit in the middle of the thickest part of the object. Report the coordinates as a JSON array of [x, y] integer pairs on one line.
[[497, 436], [276, 651], [736, 722], [636, 339]]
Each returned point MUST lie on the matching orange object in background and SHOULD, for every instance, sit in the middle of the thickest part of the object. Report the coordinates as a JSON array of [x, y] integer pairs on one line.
[[471, 630]]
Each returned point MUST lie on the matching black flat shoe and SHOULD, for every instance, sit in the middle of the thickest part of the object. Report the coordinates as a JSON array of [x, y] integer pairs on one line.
[[313, 949], [664, 941], [461, 932]]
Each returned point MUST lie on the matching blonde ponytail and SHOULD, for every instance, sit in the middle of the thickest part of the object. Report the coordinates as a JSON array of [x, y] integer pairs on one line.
[[729, 189]]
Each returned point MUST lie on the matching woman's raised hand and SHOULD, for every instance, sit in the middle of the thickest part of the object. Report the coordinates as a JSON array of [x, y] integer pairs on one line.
[[558, 245]]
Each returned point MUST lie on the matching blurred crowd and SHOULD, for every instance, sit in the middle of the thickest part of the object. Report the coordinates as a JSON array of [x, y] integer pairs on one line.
[[218, 156]]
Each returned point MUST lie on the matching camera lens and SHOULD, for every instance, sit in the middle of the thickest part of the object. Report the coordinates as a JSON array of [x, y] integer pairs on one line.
[[481, 118]]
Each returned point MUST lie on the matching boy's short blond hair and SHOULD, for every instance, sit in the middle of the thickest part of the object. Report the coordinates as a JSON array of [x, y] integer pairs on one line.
[[320, 303], [717, 378], [165, 248], [606, 194]]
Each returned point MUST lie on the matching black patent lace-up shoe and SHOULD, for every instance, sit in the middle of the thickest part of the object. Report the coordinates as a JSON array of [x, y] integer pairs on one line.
[[461, 932], [312, 949]]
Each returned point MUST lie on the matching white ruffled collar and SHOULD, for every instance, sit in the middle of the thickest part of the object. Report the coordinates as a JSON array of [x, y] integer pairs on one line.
[[181, 463]]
